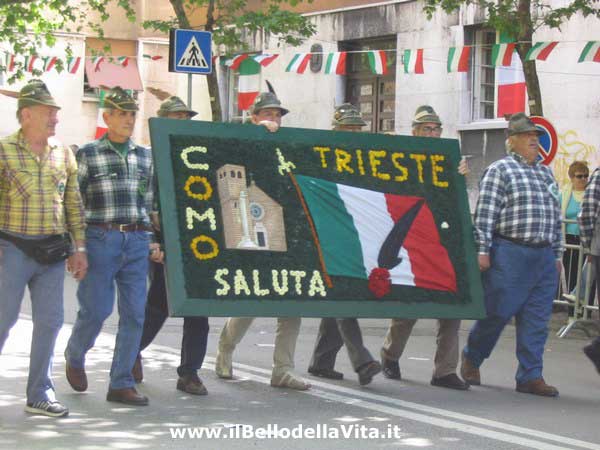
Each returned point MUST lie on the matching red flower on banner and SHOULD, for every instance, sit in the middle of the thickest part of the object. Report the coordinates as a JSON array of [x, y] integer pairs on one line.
[[379, 282]]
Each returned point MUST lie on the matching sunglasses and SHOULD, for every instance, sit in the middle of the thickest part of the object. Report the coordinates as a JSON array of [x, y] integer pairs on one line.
[[581, 176]]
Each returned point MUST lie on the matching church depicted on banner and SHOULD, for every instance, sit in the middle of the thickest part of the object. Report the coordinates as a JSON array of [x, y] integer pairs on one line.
[[251, 219]]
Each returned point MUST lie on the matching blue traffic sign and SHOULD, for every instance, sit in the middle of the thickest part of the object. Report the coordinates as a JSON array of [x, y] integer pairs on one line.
[[190, 51]]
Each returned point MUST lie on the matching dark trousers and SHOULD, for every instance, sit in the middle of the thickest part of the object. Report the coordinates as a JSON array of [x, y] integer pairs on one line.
[[597, 266], [195, 329]]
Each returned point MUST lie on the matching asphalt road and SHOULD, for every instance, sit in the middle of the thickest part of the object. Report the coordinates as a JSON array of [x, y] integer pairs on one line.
[[407, 413]]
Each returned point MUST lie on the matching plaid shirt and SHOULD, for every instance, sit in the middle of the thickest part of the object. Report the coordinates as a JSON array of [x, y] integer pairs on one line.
[[589, 210], [39, 195], [519, 201], [115, 190]]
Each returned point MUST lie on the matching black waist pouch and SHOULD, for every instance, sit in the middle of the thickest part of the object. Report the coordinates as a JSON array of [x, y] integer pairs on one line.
[[49, 250]]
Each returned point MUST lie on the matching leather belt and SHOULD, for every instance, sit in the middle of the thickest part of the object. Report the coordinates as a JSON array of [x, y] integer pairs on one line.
[[517, 241], [122, 227]]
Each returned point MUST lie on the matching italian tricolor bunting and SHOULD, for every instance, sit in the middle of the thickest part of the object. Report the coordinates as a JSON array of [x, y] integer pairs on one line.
[[101, 127], [591, 52], [413, 61], [361, 231], [234, 63], [511, 87], [73, 64], [502, 54], [298, 63], [248, 83], [378, 62], [540, 51], [458, 59], [265, 59], [336, 63]]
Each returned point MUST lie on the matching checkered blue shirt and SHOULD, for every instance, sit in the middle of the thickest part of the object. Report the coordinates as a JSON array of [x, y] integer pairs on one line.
[[520, 201], [589, 209], [115, 190]]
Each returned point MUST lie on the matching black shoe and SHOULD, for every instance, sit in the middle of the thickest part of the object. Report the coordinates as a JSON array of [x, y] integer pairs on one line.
[[326, 373], [592, 351], [450, 381], [191, 384], [391, 369], [367, 371]]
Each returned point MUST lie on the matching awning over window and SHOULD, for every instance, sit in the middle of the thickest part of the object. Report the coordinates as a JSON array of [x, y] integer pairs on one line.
[[110, 75]]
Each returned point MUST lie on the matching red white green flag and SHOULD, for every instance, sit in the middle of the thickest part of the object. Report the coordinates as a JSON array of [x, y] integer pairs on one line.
[[413, 61], [336, 63], [73, 64], [540, 51], [248, 83], [362, 231], [378, 62], [123, 61], [101, 126], [234, 63], [265, 59], [49, 63], [29, 62], [458, 59], [512, 89], [502, 54], [96, 62], [152, 57], [9, 61], [591, 52], [299, 63]]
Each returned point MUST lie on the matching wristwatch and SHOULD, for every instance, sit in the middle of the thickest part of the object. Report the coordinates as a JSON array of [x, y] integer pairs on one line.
[[80, 250]]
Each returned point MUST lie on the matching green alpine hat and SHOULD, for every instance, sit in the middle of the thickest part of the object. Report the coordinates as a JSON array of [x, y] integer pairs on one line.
[[520, 123], [35, 92], [174, 104], [347, 114], [425, 114], [266, 100], [118, 98]]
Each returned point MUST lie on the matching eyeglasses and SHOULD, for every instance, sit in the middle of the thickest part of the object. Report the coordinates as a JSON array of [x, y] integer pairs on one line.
[[432, 130], [581, 175]]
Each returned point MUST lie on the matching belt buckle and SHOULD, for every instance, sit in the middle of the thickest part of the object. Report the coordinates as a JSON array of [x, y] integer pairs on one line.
[[122, 227]]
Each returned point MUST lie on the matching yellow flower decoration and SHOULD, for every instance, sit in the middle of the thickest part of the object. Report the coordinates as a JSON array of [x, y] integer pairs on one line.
[[210, 241], [196, 179]]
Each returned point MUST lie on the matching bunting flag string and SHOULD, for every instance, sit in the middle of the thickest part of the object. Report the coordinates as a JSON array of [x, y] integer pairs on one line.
[[540, 51], [151, 57], [73, 64], [96, 61], [502, 54], [123, 61], [591, 52], [458, 59], [336, 63], [378, 62], [413, 61], [299, 63], [265, 59]]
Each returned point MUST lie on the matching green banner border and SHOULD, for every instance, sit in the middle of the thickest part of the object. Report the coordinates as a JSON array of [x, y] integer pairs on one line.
[[180, 305]]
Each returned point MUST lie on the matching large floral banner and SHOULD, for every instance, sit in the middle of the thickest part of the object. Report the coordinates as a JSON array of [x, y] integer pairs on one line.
[[313, 223]]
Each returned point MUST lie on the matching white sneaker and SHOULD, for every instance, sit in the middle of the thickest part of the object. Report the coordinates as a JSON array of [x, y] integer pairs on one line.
[[47, 408]]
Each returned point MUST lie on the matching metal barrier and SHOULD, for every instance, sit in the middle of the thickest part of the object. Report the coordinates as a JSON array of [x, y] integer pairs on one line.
[[579, 309]]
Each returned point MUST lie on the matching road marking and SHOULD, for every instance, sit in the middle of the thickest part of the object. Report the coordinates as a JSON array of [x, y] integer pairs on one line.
[[351, 395]]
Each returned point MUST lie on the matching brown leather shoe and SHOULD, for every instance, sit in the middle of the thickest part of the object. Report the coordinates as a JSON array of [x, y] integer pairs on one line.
[[137, 372], [469, 372], [537, 387], [191, 384], [129, 396], [76, 377]]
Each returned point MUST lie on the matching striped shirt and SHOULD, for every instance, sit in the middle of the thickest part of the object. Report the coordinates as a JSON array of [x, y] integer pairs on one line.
[[115, 189], [589, 210], [519, 201], [39, 195]]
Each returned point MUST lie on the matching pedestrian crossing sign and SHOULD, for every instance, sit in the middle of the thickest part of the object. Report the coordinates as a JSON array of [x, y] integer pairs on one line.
[[190, 51]]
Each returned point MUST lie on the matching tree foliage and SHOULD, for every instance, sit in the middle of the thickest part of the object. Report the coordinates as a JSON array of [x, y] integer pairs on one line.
[[520, 19]]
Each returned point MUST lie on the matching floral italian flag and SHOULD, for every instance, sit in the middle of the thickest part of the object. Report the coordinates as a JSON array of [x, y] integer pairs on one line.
[[362, 231], [248, 83], [591, 52]]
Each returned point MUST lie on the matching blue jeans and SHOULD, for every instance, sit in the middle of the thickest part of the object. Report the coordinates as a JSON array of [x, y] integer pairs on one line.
[[521, 282], [195, 329], [120, 258], [46, 283]]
